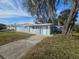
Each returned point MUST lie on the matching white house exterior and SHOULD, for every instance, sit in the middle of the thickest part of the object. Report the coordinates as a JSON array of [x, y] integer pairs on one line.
[[10, 27], [43, 29]]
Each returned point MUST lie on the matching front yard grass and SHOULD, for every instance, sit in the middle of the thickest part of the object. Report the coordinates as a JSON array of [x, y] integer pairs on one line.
[[56, 47], [7, 37]]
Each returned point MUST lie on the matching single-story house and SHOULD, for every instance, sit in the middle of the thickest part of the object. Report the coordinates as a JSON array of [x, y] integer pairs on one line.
[[10, 27], [43, 29]]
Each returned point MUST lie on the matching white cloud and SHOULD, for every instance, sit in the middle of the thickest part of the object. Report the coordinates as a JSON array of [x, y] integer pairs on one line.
[[16, 9], [7, 2], [4, 14]]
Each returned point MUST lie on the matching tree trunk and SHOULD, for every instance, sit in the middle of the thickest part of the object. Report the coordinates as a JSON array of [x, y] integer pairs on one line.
[[70, 18]]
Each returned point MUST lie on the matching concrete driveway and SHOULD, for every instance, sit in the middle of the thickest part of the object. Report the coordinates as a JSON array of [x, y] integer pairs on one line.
[[15, 50]]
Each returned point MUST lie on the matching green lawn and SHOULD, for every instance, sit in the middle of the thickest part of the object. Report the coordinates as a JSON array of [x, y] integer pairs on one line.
[[6, 37], [57, 47]]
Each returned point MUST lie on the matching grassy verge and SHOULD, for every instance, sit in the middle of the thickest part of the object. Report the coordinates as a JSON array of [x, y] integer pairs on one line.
[[57, 47], [6, 37]]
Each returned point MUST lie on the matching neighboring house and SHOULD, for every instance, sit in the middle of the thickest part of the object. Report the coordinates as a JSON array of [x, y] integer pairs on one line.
[[11, 27], [43, 29]]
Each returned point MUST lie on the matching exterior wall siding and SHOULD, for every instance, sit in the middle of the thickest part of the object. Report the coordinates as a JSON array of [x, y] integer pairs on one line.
[[43, 30]]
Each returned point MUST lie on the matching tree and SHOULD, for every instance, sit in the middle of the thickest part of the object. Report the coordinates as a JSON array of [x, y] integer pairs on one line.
[[62, 18], [2, 26], [72, 14], [46, 9], [43, 9], [76, 28]]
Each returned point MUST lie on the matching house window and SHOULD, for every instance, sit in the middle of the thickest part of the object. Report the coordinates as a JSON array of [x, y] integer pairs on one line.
[[33, 27], [46, 27]]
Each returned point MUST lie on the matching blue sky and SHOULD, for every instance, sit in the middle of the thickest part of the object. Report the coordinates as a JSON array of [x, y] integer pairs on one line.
[[12, 11], [61, 6], [18, 19]]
